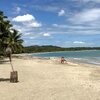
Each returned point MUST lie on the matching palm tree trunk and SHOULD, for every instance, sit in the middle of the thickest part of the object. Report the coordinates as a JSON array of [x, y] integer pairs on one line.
[[12, 66]]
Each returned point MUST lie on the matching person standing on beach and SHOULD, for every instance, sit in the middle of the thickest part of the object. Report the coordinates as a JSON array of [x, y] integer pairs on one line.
[[62, 60], [9, 52]]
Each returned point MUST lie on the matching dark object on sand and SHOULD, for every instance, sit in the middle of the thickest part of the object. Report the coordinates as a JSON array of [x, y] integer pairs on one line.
[[13, 75]]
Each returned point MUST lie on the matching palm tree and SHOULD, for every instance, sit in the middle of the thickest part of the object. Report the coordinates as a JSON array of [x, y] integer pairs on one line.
[[9, 36], [15, 41], [3, 30], [5, 26]]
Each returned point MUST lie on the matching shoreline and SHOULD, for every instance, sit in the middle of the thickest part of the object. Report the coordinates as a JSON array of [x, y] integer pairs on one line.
[[55, 58]]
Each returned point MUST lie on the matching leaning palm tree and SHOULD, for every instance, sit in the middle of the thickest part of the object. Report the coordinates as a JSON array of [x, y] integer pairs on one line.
[[9, 41], [14, 40], [9, 36], [5, 26]]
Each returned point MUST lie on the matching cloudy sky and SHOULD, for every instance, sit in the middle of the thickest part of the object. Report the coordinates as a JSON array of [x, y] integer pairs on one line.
[[65, 23]]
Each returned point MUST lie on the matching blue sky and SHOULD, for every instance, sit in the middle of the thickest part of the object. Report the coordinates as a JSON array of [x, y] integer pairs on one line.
[[65, 23]]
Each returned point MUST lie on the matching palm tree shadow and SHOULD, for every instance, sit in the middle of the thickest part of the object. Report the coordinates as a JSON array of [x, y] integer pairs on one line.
[[4, 79], [4, 61]]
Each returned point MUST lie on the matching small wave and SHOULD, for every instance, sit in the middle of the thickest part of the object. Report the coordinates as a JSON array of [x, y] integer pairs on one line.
[[95, 63], [86, 60]]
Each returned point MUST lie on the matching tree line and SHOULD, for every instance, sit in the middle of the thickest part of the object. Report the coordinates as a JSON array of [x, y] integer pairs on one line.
[[50, 48]]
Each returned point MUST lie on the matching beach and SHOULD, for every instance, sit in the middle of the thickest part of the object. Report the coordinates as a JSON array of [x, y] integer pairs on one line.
[[47, 79]]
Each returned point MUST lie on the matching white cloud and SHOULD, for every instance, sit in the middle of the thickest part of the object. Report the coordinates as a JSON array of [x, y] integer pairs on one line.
[[31, 42], [60, 26], [26, 34], [55, 25], [46, 34], [31, 37], [23, 18], [34, 24], [79, 42], [61, 13], [19, 28], [87, 16], [48, 8], [77, 29], [27, 21], [18, 9]]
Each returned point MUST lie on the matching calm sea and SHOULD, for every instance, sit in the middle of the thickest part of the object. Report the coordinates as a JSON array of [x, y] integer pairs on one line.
[[85, 56]]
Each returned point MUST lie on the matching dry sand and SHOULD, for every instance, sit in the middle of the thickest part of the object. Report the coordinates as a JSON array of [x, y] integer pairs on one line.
[[49, 80]]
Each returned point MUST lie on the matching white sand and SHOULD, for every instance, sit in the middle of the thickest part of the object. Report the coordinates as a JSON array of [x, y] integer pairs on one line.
[[49, 80]]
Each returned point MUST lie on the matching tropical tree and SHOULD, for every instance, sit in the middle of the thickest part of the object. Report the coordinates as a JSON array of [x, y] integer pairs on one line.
[[3, 29], [9, 36], [15, 41]]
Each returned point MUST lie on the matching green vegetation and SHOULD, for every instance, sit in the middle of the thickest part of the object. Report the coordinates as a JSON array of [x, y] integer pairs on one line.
[[9, 36], [33, 49]]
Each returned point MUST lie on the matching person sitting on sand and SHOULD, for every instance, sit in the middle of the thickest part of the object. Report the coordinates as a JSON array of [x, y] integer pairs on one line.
[[8, 52], [62, 60]]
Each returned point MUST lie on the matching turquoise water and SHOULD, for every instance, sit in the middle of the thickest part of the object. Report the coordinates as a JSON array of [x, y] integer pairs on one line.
[[87, 56]]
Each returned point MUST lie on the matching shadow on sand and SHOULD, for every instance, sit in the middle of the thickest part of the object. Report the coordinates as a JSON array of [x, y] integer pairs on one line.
[[4, 61], [4, 79]]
